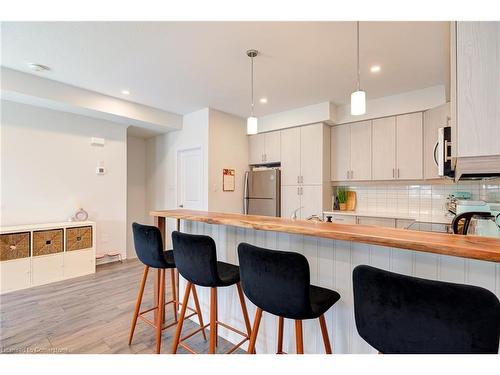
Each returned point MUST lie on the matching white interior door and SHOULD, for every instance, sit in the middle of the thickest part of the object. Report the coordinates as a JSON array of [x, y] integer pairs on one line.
[[190, 179]]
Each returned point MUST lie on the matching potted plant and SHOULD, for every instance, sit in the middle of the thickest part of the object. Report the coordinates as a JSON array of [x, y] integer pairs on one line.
[[342, 198]]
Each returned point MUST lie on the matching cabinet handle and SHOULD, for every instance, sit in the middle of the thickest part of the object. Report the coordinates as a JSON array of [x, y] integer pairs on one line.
[[352, 175], [398, 172], [393, 174], [347, 175], [298, 179], [265, 157], [298, 191]]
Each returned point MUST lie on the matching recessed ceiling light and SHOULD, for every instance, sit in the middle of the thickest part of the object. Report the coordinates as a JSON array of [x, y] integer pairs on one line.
[[375, 69], [263, 100], [38, 67], [125, 92]]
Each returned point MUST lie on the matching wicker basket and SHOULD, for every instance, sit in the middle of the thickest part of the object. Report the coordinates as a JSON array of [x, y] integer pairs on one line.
[[78, 238], [47, 242], [14, 246]]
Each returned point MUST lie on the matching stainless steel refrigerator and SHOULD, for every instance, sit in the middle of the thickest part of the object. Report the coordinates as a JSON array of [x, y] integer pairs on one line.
[[262, 192]]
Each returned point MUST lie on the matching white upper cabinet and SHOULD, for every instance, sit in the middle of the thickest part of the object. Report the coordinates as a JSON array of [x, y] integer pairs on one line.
[[340, 152], [477, 88], [264, 148], [257, 148], [409, 147], [361, 151], [272, 151], [311, 154], [434, 119], [290, 156], [384, 148]]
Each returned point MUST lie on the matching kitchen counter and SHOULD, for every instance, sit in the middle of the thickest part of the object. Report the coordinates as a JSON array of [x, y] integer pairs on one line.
[[333, 250], [472, 247]]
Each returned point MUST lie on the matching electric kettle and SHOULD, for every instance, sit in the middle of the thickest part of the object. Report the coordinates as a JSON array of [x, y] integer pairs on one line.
[[485, 225]]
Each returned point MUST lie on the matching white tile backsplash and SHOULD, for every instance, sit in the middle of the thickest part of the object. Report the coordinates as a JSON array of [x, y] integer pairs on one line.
[[420, 200]]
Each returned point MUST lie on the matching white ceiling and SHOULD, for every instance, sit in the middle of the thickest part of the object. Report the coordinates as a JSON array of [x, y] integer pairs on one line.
[[184, 66]]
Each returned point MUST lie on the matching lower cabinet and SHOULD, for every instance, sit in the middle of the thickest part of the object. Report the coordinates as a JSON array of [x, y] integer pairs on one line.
[[380, 222], [78, 263], [344, 219], [15, 274], [47, 268]]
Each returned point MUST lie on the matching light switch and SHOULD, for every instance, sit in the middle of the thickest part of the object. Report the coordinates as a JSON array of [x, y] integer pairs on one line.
[[95, 141]]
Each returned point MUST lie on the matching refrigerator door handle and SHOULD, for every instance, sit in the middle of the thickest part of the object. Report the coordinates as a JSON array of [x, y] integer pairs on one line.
[[245, 194]]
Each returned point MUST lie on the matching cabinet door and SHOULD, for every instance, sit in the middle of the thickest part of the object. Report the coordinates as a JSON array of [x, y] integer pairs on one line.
[[311, 154], [409, 146], [311, 201], [339, 152], [361, 151], [290, 200], [272, 152], [78, 263], [15, 274], [290, 156], [256, 147], [47, 268], [384, 148], [434, 119], [344, 219], [478, 88]]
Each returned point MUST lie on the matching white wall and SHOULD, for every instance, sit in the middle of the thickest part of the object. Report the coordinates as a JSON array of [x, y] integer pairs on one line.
[[228, 148], [136, 188], [161, 161], [48, 171]]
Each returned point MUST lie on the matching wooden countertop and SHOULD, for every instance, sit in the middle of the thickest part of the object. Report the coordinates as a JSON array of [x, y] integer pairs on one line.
[[473, 247]]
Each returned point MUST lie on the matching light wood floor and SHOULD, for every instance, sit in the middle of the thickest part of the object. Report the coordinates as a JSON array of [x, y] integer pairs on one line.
[[89, 314]]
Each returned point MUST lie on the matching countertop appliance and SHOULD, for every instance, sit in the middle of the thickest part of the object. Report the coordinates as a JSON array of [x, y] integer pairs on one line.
[[442, 153], [476, 217], [262, 192]]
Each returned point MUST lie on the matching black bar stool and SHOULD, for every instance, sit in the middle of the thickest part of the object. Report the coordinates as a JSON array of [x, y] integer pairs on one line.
[[149, 247], [403, 314], [278, 282], [196, 260]]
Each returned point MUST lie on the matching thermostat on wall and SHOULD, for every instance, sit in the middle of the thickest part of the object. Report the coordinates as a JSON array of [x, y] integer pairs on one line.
[[100, 170]]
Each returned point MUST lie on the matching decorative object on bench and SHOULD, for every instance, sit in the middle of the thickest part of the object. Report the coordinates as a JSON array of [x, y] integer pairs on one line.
[[80, 215]]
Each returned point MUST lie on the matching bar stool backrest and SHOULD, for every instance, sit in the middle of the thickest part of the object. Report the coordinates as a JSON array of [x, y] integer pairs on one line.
[[149, 245], [403, 314], [196, 258], [276, 281]]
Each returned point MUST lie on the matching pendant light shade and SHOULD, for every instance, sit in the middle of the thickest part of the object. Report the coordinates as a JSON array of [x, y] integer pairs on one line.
[[252, 126], [252, 122], [358, 97], [358, 103]]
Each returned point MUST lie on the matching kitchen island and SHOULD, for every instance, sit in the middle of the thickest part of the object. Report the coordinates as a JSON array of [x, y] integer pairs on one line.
[[333, 250]]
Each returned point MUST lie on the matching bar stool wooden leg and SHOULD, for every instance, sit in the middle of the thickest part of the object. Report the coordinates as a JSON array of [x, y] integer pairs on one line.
[[181, 318], [174, 295], [198, 310], [324, 333], [298, 337], [161, 310], [244, 309], [280, 334], [255, 331], [138, 303], [213, 320]]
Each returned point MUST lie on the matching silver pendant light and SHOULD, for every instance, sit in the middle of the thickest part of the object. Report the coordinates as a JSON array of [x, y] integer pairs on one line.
[[252, 126], [358, 97]]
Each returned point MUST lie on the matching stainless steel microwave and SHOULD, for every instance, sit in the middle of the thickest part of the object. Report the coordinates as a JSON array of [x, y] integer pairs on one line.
[[442, 153]]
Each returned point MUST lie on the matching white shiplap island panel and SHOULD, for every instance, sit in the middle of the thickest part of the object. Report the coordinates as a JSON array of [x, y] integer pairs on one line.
[[331, 263]]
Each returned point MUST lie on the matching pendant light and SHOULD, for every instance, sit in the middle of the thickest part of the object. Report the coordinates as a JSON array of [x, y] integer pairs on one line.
[[252, 126], [358, 97]]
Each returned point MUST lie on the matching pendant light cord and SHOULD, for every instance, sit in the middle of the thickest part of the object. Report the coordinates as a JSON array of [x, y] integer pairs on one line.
[[252, 84], [357, 37]]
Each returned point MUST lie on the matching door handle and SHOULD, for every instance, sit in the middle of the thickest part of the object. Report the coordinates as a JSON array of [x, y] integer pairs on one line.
[[181, 205]]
